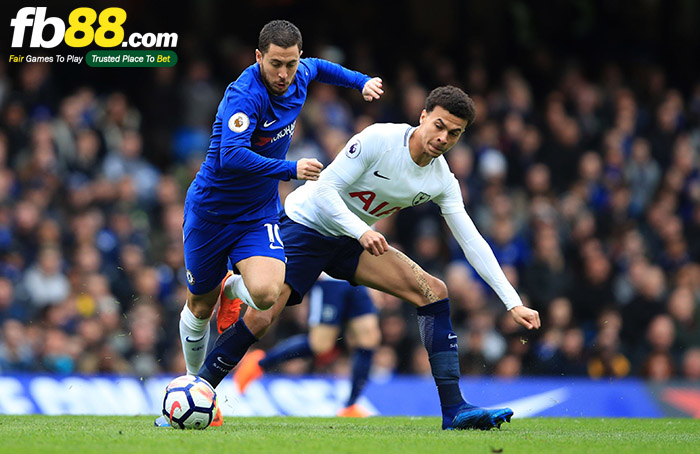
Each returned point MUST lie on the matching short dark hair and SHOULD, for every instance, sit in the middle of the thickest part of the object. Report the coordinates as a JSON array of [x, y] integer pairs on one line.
[[280, 33], [454, 100]]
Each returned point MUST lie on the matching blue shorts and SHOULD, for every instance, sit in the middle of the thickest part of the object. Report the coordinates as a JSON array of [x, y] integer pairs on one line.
[[209, 246], [333, 302], [309, 253]]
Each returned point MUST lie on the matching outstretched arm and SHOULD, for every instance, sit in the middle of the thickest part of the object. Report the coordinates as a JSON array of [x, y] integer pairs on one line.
[[481, 257], [333, 73]]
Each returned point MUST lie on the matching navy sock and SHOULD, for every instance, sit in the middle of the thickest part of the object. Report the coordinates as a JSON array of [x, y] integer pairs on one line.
[[227, 352], [294, 347], [440, 341], [361, 364]]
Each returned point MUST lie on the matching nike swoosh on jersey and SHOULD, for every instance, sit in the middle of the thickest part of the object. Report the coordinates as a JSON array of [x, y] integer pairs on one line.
[[268, 123], [377, 174], [452, 336], [187, 338]]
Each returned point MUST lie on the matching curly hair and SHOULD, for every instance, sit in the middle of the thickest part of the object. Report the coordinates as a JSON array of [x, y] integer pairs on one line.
[[454, 100]]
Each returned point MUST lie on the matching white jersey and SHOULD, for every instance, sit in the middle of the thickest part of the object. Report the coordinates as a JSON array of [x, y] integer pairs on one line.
[[381, 178], [373, 177]]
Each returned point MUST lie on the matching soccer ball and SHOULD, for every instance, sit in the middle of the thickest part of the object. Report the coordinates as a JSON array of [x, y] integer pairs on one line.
[[189, 403]]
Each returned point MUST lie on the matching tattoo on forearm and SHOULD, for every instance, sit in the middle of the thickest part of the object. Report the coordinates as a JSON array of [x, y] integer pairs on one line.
[[419, 274]]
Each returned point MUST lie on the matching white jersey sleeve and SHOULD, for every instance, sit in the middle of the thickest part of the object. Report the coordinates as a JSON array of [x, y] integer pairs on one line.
[[450, 200], [326, 197], [480, 256], [350, 164], [319, 205], [475, 248]]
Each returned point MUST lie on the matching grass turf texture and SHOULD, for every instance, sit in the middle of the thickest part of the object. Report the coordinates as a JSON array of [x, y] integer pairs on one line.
[[382, 435]]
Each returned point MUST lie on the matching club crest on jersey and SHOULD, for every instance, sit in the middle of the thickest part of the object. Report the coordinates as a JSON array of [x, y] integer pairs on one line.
[[190, 277], [238, 122], [422, 197], [353, 150]]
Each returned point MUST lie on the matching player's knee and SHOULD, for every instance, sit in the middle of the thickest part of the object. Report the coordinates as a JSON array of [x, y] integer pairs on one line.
[[202, 306], [365, 332], [265, 297], [370, 339], [427, 290], [321, 345], [438, 287]]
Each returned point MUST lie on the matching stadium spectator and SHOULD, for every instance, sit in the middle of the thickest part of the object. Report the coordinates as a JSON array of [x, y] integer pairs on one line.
[[691, 364], [16, 353], [10, 307], [44, 281], [607, 359]]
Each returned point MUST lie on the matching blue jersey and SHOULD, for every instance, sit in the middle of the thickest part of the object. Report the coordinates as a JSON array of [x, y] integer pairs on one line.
[[239, 178]]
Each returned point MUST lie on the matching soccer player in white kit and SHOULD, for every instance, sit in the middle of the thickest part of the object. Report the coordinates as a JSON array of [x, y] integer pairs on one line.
[[327, 227]]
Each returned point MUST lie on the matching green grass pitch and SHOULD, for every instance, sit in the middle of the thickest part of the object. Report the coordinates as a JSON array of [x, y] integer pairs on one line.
[[381, 435]]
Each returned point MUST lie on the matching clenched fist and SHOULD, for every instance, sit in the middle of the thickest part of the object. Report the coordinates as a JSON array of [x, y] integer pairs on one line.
[[308, 169]]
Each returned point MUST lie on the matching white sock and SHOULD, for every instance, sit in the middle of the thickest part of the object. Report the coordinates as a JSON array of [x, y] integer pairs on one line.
[[194, 336], [235, 288]]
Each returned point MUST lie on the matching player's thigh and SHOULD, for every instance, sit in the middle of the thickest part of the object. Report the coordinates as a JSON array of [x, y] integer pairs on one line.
[[206, 245], [322, 338], [396, 274], [363, 331], [259, 256], [263, 276]]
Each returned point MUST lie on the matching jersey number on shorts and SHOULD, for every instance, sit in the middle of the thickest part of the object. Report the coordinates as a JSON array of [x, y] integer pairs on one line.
[[273, 233]]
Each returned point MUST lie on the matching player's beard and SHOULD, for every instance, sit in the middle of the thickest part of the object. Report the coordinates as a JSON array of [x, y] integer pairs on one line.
[[272, 87]]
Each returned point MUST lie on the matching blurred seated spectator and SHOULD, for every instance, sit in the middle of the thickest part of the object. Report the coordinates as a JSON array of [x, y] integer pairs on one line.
[[16, 353], [509, 366], [607, 359], [10, 306], [44, 281], [686, 318], [691, 365], [658, 367]]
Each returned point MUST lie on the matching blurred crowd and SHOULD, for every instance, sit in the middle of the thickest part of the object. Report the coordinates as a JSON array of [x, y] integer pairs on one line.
[[586, 188]]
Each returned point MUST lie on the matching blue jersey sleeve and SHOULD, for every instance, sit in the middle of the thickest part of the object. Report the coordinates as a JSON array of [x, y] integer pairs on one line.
[[240, 113], [333, 73], [241, 159]]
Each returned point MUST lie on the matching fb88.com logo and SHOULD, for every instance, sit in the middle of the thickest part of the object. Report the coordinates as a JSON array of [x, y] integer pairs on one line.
[[81, 31]]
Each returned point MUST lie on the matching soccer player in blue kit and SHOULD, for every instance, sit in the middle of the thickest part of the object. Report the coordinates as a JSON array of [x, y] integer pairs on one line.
[[327, 223], [333, 305], [232, 206]]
